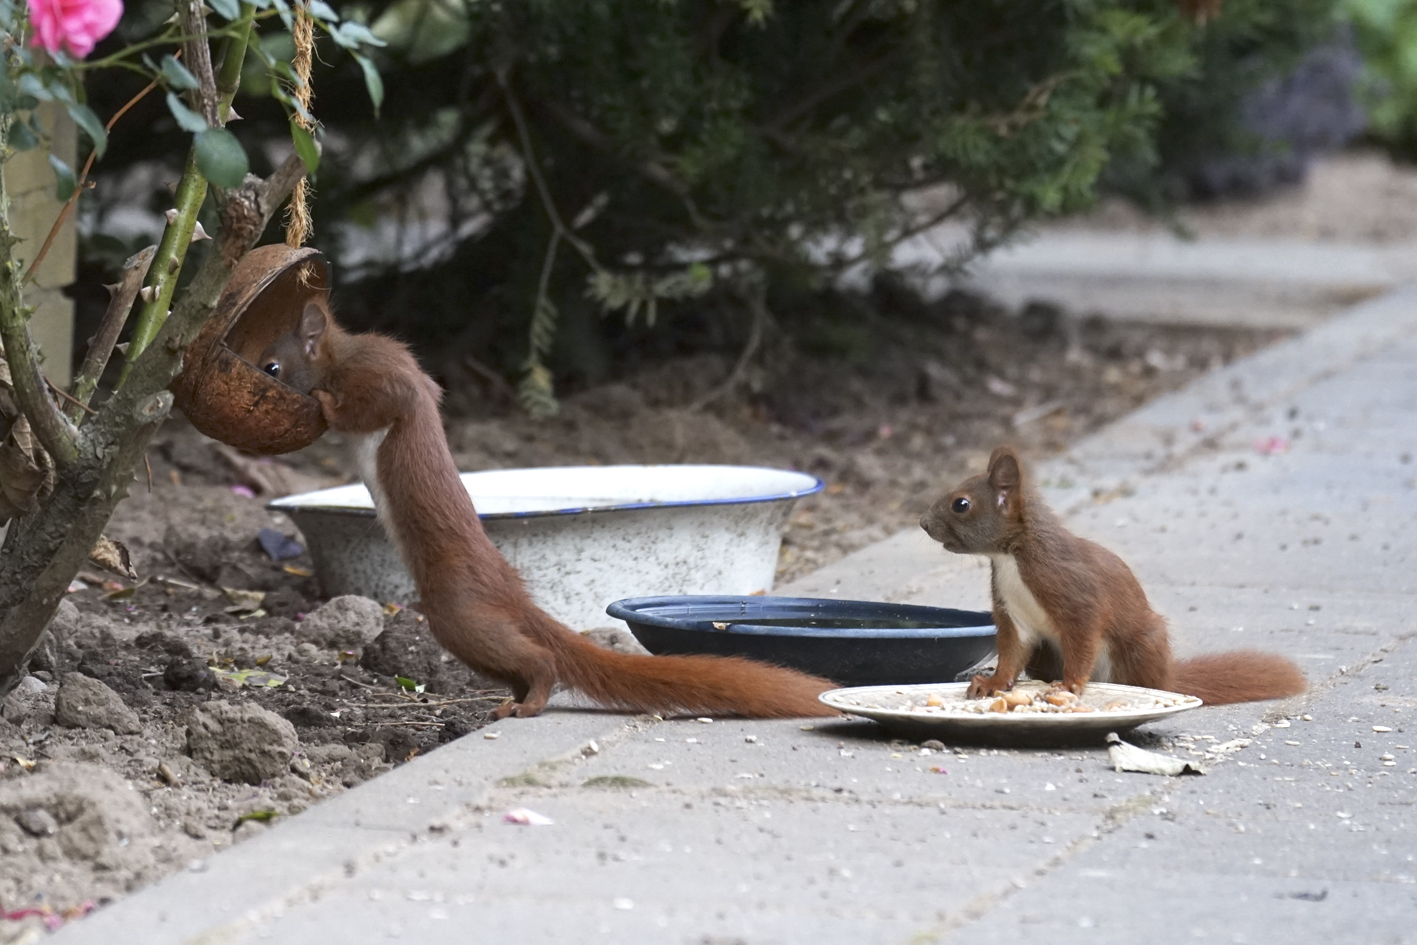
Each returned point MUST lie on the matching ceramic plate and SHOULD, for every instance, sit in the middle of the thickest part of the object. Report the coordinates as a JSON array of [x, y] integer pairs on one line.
[[902, 709]]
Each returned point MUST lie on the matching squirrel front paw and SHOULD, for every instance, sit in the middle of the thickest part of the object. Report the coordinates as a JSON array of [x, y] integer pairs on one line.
[[981, 686], [327, 405]]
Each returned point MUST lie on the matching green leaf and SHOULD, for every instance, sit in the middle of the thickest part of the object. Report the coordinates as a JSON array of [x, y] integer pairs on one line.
[[188, 119], [177, 75], [21, 137], [351, 33], [58, 85], [31, 85], [254, 678], [305, 147], [64, 182], [85, 118], [220, 157], [406, 683], [226, 9], [322, 10], [372, 81]]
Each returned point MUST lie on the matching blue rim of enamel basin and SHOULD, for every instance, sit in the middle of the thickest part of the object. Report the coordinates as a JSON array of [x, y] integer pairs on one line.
[[700, 612], [854, 642], [811, 485]]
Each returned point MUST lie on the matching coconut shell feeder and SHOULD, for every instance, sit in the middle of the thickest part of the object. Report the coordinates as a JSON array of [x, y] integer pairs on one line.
[[221, 388]]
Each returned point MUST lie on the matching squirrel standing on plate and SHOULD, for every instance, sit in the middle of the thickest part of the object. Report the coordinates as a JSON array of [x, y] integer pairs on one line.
[[1071, 611], [371, 389]]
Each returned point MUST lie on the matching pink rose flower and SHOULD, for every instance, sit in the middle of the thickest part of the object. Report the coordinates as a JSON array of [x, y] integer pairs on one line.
[[75, 25]]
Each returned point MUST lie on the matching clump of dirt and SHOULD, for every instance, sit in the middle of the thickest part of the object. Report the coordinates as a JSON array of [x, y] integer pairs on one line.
[[71, 832], [253, 701]]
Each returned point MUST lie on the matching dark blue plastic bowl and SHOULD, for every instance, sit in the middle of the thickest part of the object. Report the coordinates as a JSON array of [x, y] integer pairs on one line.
[[851, 642]]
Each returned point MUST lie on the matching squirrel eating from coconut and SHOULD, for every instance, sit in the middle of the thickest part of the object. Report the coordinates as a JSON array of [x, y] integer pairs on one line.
[[371, 389]]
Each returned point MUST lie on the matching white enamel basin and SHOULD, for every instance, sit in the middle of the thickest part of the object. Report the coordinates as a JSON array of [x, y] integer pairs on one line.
[[582, 536]]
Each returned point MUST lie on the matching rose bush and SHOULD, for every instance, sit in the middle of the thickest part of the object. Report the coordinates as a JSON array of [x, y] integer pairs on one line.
[[90, 452]]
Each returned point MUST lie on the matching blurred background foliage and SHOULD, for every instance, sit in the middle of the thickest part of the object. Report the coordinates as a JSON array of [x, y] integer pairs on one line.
[[552, 185], [1385, 32]]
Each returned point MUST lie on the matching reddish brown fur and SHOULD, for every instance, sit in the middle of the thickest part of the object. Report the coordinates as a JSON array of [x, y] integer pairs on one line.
[[1093, 603], [474, 600]]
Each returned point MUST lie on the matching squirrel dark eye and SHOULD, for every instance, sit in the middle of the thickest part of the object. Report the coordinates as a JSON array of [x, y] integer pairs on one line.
[[273, 368], [960, 506]]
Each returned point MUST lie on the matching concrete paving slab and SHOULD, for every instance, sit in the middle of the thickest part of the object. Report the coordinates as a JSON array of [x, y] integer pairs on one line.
[[1162, 278], [826, 831], [299, 861], [1314, 838]]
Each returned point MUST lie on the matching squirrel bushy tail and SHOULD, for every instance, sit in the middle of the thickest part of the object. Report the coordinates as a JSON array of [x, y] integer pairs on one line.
[[696, 685], [1238, 676]]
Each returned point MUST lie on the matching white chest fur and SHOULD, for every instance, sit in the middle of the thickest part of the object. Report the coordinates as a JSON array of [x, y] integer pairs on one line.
[[366, 460], [1024, 610], [1033, 622]]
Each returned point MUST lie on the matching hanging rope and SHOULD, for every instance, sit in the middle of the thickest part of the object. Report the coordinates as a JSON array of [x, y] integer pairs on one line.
[[297, 213]]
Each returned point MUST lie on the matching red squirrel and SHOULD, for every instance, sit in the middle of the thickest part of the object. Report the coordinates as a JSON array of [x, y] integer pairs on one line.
[[1057, 595], [371, 389]]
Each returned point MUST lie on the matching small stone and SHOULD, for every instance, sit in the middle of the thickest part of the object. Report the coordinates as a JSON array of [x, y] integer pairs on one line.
[[306, 652], [240, 743], [184, 674], [247, 830], [934, 744], [30, 686], [37, 822], [65, 620], [405, 648], [345, 622], [83, 702]]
